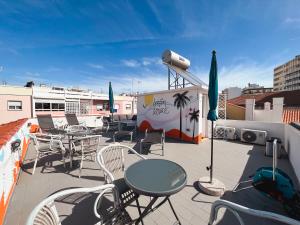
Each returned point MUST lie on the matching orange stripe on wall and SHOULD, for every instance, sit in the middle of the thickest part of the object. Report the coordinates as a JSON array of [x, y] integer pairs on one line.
[[173, 133], [3, 206]]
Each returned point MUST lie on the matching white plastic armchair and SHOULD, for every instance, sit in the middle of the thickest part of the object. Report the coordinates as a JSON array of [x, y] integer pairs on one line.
[[45, 213], [47, 145], [112, 161], [236, 209]]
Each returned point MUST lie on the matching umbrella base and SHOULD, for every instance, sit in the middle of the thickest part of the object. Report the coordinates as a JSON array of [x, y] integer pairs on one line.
[[215, 188]]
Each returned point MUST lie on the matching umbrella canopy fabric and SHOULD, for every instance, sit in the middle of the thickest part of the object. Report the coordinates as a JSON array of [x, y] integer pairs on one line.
[[213, 89], [111, 98]]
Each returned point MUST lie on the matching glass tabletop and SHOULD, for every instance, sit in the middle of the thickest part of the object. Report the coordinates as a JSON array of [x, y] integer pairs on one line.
[[156, 177]]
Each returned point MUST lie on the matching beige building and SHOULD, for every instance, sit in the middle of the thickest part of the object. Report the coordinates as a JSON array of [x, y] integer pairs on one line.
[[287, 76]]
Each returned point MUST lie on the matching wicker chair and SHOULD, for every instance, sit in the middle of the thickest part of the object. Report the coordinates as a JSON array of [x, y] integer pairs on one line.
[[112, 161], [45, 213], [86, 147], [47, 145], [154, 137]]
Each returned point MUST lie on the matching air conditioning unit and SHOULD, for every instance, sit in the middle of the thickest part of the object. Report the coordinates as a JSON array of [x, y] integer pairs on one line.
[[254, 136], [219, 132], [230, 133]]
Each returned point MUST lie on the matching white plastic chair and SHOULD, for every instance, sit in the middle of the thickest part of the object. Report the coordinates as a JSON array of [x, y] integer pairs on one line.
[[112, 161], [45, 213], [47, 145], [236, 209]]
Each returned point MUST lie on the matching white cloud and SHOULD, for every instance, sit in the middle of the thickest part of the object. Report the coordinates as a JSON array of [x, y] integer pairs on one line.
[[1, 68], [95, 66], [146, 61], [240, 75], [130, 63], [292, 20]]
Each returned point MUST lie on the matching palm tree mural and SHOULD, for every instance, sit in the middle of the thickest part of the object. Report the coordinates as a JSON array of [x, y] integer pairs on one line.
[[181, 100], [194, 118]]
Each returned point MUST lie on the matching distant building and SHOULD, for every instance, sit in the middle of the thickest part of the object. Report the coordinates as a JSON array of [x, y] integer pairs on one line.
[[287, 76], [235, 108], [232, 92], [255, 89], [26, 102]]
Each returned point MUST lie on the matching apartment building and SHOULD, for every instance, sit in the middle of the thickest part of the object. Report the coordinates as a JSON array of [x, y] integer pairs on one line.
[[287, 76], [26, 102]]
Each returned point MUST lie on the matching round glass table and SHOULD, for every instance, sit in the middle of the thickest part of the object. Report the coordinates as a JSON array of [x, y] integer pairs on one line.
[[156, 178]]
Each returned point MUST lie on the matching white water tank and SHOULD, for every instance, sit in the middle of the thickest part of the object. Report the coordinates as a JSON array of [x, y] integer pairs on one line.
[[175, 59]]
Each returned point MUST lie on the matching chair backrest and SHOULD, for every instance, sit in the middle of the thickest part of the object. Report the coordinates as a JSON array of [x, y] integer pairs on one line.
[[72, 119], [236, 209], [89, 143], [134, 117], [112, 162], [45, 122], [122, 117], [116, 117], [45, 213], [54, 141]]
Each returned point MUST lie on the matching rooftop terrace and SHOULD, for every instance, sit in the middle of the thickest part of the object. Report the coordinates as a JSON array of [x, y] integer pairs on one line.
[[234, 162]]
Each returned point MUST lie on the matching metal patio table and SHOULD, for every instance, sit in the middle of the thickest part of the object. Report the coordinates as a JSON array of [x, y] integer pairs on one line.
[[156, 178], [71, 136]]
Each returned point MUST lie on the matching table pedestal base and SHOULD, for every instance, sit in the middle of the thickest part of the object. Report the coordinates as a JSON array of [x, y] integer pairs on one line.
[[215, 188]]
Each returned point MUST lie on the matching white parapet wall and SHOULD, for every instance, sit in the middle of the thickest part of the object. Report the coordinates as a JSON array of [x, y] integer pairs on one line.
[[292, 145], [273, 129]]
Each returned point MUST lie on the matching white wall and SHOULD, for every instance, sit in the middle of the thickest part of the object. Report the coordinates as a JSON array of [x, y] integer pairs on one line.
[[156, 110], [292, 144], [273, 129]]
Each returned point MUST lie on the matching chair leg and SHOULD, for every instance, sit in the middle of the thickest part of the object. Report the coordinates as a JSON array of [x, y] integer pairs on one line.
[[141, 147], [80, 168], [35, 162], [114, 138], [163, 149], [131, 137], [139, 209]]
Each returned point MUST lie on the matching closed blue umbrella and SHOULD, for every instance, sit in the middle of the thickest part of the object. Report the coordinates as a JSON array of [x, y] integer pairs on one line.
[[213, 102], [111, 99]]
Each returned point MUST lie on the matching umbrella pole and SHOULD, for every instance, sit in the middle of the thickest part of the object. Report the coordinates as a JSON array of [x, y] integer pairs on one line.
[[211, 152]]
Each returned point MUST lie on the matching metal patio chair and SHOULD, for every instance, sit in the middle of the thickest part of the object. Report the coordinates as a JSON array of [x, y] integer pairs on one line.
[[112, 161], [47, 125], [47, 145], [109, 125], [236, 209], [73, 120], [153, 137], [45, 213], [86, 147], [129, 131]]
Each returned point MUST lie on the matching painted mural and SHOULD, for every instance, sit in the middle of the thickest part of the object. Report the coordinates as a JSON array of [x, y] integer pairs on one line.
[[176, 112], [10, 161]]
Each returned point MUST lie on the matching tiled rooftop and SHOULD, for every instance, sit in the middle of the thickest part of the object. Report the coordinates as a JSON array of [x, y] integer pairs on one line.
[[233, 162]]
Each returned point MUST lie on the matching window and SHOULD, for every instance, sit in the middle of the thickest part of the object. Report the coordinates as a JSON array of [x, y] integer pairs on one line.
[[14, 105], [128, 106], [45, 106]]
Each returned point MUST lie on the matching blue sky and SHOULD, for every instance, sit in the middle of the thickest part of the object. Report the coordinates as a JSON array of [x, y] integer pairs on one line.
[[88, 43]]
